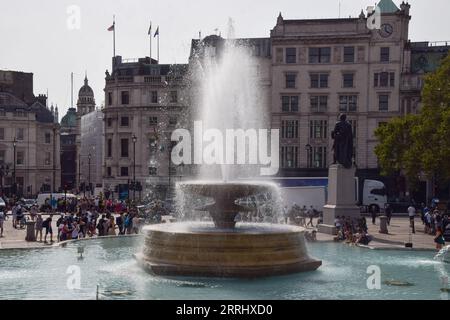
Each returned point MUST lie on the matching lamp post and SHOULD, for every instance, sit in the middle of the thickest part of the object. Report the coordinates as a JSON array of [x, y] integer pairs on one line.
[[134, 139], [89, 174], [4, 170], [309, 150], [14, 168]]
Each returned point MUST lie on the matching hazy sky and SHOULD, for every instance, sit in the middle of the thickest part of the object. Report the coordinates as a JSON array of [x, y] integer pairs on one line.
[[34, 36]]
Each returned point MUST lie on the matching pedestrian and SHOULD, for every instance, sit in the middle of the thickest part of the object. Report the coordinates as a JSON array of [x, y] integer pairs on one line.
[[120, 223], [101, 226], [14, 216], [310, 214], [48, 229], [373, 211], [111, 227], [439, 239], [412, 214], [388, 212], [39, 226], [2, 220]]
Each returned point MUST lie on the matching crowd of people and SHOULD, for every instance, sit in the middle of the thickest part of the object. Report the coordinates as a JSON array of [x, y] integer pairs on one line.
[[353, 231], [302, 216], [76, 219]]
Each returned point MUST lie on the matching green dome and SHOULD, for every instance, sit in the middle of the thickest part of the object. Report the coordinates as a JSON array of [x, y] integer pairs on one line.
[[70, 119], [387, 6]]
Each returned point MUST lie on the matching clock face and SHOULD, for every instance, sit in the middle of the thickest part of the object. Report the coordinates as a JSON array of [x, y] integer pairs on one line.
[[386, 30]]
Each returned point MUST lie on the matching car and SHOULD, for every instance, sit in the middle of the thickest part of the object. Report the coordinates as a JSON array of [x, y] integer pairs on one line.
[[2, 203], [28, 203]]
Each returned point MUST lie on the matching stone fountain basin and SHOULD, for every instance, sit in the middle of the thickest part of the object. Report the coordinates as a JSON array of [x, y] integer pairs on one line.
[[228, 190], [249, 250]]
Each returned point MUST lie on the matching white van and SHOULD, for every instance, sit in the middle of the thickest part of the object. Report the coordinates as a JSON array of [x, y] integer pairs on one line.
[[47, 196]]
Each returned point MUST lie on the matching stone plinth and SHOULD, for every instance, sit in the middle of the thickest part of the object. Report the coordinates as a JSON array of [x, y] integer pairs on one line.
[[383, 225], [341, 197], [31, 234]]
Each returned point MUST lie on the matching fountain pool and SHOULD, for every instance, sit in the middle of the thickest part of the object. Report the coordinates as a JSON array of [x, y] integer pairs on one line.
[[109, 262]]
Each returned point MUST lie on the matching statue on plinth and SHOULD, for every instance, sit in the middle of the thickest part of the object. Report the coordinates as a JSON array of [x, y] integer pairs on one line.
[[343, 142]]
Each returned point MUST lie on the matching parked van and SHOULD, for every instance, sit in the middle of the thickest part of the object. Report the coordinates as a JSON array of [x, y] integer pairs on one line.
[[47, 196]]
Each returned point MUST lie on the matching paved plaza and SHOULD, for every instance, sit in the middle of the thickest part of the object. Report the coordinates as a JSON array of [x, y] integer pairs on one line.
[[398, 235]]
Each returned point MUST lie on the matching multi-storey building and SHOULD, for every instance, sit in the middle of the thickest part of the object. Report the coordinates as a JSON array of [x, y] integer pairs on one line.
[[91, 151], [29, 138], [324, 67], [145, 101], [69, 150]]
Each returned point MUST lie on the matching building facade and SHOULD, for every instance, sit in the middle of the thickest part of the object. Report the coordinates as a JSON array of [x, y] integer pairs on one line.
[[69, 150], [29, 139], [145, 101], [324, 67], [91, 151]]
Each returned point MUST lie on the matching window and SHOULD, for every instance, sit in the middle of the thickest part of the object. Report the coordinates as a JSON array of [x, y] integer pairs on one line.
[[289, 129], [20, 133], [125, 97], [173, 96], [47, 137], [124, 171], [385, 54], [383, 102], [349, 54], [20, 113], [108, 172], [291, 55], [124, 121], [109, 148], [109, 122], [124, 148], [173, 121], [384, 79], [2, 133], [348, 80], [2, 111], [154, 96], [318, 129], [110, 99], [279, 55], [290, 80], [153, 145], [152, 171], [320, 55], [47, 160], [289, 103], [319, 103], [20, 158], [319, 80], [289, 157], [2, 156], [317, 157], [348, 103], [152, 121]]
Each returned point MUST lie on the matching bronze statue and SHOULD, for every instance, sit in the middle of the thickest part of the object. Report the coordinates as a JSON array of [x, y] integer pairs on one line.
[[343, 142]]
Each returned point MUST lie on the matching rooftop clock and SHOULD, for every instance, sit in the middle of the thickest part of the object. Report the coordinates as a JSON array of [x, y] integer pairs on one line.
[[386, 30]]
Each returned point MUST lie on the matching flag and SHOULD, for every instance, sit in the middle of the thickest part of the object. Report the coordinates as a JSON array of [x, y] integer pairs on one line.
[[112, 27], [157, 32], [150, 30]]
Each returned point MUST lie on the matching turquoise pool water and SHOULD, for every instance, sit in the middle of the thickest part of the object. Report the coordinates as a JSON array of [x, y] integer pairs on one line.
[[43, 274]]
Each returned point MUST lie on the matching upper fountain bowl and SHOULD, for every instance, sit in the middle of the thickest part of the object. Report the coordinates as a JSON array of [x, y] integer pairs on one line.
[[230, 190]]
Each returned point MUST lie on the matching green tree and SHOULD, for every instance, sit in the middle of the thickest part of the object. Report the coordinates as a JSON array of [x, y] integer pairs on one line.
[[420, 144]]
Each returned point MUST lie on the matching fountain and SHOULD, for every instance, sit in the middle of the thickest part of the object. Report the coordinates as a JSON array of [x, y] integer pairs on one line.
[[223, 247]]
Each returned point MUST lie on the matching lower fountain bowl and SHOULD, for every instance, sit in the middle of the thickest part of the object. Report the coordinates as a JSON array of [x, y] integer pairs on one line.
[[249, 250]]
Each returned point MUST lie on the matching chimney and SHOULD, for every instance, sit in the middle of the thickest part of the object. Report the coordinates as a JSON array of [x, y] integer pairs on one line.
[[42, 99]]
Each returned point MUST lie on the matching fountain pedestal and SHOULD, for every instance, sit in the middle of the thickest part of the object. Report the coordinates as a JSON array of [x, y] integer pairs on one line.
[[341, 198]]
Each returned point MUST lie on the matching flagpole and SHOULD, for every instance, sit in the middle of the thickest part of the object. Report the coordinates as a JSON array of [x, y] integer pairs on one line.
[[158, 45], [151, 36], [114, 37]]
